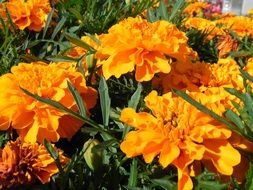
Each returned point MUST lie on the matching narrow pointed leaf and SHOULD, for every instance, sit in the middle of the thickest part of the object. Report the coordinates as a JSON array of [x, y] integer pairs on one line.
[[135, 98], [73, 39], [132, 182], [49, 18], [177, 9], [58, 27], [60, 58], [78, 100], [235, 119], [163, 10], [54, 154], [105, 100]]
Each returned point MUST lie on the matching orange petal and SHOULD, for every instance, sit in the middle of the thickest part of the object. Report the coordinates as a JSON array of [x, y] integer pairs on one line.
[[168, 153]]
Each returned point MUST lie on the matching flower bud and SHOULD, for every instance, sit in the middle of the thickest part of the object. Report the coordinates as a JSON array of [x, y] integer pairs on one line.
[[93, 157]]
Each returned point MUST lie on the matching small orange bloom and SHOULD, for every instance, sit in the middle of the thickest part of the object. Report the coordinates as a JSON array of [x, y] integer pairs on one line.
[[226, 73], [30, 14], [32, 119], [179, 135], [225, 45], [241, 25], [148, 48], [195, 8], [200, 76], [204, 25], [23, 163], [186, 76]]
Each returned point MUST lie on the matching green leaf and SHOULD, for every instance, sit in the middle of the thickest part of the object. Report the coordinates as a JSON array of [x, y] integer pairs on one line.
[[105, 144], [132, 181], [74, 160], [54, 154], [93, 38], [248, 103], [249, 178], [60, 58], [176, 10], [135, 98], [235, 93], [105, 100], [151, 16], [80, 65], [163, 12], [211, 185], [4, 137], [89, 60], [49, 18], [73, 39], [58, 27], [235, 119], [78, 100], [165, 183]]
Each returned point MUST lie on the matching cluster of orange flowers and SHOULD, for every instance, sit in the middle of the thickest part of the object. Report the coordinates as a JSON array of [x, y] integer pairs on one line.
[[32, 119], [31, 14], [180, 134], [176, 132], [173, 131], [22, 163]]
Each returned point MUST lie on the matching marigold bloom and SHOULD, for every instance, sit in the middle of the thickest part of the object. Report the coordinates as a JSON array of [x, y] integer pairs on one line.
[[196, 8], [241, 25], [201, 76], [249, 66], [31, 14], [187, 76], [32, 119], [147, 48], [226, 44], [23, 163], [181, 136], [204, 25], [226, 73]]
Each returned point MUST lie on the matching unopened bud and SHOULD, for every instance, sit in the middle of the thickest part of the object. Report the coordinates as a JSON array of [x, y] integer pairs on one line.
[[93, 157]]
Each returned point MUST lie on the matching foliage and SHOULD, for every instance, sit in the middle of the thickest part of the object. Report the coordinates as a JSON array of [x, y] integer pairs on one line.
[[67, 22]]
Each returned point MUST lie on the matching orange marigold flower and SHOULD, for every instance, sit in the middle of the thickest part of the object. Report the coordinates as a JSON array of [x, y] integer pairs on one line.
[[241, 25], [31, 14], [201, 76], [181, 135], [249, 66], [226, 73], [226, 44], [23, 163], [186, 76], [32, 119], [196, 8], [150, 51], [205, 26]]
